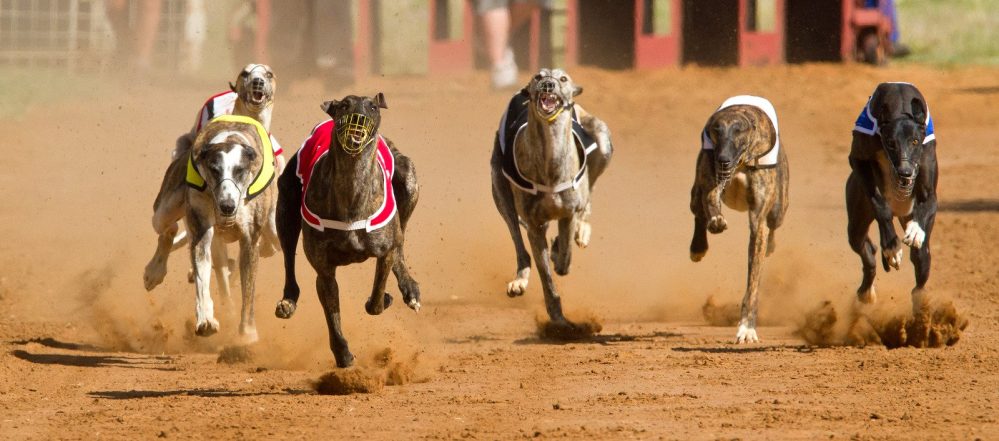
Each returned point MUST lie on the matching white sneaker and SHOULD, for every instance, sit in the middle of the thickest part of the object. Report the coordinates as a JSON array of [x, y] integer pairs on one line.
[[505, 74]]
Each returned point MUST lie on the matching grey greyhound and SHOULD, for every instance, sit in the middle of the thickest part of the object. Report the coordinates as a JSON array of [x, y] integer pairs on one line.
[[547, 156], [741, 163], [894, 175], [349, 193]]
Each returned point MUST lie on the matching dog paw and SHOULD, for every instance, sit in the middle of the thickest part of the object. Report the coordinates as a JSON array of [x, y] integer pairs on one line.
[[867, 297], [373, 309], [914, 235], [285, 309], [411, 294], [891, 257], [696, 256], [248, 335], [717, 224], [414, 305], [154, 275], [207, 328], [583, 232], [746, 334], [518, 286], [266, 249]]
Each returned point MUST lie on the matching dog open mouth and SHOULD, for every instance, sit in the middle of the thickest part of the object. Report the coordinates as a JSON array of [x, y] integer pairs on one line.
[[549, 102], [357, 136], [904, 186], [258, 92]]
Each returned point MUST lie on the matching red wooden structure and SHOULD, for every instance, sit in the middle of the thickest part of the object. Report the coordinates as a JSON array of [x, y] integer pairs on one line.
[[866, 33], [757, 45], [450, 52]]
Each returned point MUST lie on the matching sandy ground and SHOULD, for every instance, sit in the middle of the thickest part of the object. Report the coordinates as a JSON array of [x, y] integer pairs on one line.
[[86, 353]]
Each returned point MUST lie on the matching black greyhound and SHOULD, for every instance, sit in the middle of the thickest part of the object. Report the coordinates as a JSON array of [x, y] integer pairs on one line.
[[894, 164], [350, 193]]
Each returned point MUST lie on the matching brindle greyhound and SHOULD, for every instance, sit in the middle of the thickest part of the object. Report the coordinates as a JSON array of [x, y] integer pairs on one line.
[[894, 164], [743, 164], [230, 169], [354, 193], [545, 164], [252, 95]]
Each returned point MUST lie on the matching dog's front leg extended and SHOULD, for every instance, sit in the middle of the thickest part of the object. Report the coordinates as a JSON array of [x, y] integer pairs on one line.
[[760, 204], [329, 297], [407, 284], [201, 261], [698, 193], [891, 246], [288, 222], [919, 229], [248, 259], [561, 251], [712, 190], [536, 235], [380, 300]]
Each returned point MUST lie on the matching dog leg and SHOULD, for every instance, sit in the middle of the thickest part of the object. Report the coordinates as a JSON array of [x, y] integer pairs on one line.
[[539, 246], [750, 302], [329, 297], [503, 197], [288, 226], [248, 260], [583, 229], [221, 268], [407, 285], [269, 243], [201, 260], [380, 300], [561, 253], [860, 214], [169, 209], [156, 268]]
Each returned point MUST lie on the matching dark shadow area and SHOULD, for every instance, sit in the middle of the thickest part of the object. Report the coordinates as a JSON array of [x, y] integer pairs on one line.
[[814, 30], [53, 343], [986, 90], [602, 339], [747, 349], [154, 363], [969, 205], [206, 393], [710, 32], [472, 339], [607, 33]]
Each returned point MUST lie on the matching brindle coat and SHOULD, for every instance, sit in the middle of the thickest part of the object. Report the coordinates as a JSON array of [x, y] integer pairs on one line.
[[546, 154], [170, 204], [347, 187], [211, 215], [740, 134], [894, 174]]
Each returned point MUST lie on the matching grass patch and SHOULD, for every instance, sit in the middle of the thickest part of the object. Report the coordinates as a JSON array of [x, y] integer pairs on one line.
[[951, 32]]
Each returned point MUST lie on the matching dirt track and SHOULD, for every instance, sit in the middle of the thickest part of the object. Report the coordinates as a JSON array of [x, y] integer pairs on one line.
[[85, 352]]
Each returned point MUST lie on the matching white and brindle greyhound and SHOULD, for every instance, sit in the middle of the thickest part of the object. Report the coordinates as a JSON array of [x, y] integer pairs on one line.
[[741, 163], [894, 175], [229, 173], [251, 95], [547, 156]]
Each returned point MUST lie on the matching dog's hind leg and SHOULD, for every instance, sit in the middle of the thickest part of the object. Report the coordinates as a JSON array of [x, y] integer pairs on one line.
[[405, 186], [503, 197], [380, 300], [329, 297], [288, 224], [248, 260], [201, 260], [776, 216], [860, 214], [168, 209], [561, 253], [407, 285]]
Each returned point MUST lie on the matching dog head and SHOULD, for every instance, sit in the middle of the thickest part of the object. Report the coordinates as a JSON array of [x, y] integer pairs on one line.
[[255, 86], [731, 132], [356, 119], [551, 91], [228, 164], [902, 139]]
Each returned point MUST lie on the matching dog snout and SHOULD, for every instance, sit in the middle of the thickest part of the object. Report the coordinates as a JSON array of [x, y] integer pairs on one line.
[[906, 171], [227, 208]]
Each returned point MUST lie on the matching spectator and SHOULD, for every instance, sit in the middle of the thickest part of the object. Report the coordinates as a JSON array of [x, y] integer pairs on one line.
[[887, 8], [134, 46], [499, 18]]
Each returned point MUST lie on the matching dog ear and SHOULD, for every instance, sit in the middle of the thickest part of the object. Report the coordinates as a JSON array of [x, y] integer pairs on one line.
[[380, 101], [577, 91], [918, 110], [232, 87], [328, 106], [524, 92]]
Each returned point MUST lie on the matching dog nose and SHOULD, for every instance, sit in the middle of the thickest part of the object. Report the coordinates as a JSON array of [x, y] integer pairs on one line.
[[227, 208], [906, 171]]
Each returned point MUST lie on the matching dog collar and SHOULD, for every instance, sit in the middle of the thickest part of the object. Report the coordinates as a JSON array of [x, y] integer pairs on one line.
[[266, 174]]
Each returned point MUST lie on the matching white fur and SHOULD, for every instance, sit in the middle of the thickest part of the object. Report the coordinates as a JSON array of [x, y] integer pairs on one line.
[[914, 235], [746, 334], [894, 257], [228, 191], [221, 137], [519, 285]]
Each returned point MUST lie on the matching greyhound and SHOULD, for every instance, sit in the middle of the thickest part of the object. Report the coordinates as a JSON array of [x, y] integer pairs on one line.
[[545, 164], [741, 163], [894, 174], [350, 193], [252, 95], [229, 171]]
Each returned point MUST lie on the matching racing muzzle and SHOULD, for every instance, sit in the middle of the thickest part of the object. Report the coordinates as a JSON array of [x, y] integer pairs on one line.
[[354, 131]]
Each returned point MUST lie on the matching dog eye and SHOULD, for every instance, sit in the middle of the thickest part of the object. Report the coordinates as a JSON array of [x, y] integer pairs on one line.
[[915, 142], [270, 75], [563, 79], [537, 77]]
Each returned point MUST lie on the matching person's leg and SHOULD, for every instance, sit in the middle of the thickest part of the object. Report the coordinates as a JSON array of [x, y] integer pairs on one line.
[[146, 35], [263, 32], [494, 17]]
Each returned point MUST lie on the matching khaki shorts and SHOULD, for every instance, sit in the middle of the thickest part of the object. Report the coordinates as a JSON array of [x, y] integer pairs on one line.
[[483, 6]]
